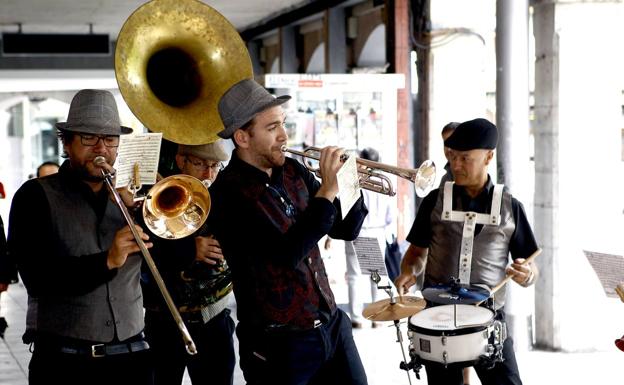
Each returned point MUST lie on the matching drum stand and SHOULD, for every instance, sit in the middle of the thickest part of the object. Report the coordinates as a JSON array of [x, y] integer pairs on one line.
[[375, 277]]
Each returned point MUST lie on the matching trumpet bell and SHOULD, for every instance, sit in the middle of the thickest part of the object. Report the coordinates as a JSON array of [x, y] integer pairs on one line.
[[176, 207], [174, 60], [425, 178]]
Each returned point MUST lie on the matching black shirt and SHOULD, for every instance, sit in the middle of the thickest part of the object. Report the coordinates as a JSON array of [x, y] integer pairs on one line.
[[522, 243]]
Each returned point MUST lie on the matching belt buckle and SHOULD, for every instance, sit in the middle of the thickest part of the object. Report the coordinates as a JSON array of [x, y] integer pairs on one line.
[[98, 350], [317, 323]]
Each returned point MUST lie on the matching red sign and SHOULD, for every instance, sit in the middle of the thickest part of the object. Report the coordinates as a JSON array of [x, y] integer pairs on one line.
[[310, 83]]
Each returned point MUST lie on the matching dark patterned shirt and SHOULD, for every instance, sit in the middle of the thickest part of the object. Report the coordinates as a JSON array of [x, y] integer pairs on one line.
[[269, 228]]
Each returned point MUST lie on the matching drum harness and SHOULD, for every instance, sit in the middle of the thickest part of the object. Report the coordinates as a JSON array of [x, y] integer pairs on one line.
[[498, 330]]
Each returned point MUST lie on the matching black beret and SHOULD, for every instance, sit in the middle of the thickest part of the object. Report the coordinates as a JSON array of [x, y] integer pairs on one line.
[[472, 135]]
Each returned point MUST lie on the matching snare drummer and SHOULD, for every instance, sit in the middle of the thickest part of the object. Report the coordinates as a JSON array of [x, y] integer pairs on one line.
[[438, 233]]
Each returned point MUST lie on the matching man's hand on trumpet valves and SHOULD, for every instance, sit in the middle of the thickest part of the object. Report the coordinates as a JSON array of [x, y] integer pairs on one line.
[[329, 163], [123, 245]]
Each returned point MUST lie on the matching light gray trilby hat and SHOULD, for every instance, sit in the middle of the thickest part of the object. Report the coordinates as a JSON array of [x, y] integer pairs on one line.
[[211, 151]]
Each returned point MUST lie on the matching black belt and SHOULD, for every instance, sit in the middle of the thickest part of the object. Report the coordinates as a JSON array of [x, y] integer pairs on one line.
[[98, 350]]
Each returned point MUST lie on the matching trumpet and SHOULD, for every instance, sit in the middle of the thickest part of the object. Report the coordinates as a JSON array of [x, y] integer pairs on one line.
[[370, 173]]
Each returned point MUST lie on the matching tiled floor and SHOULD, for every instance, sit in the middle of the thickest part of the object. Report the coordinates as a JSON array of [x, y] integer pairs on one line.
[[378, 348]]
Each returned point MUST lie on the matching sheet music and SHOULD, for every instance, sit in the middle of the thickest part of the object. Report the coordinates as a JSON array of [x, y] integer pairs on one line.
[[369, 255], [609, 268], [143, 149], [348, 185]]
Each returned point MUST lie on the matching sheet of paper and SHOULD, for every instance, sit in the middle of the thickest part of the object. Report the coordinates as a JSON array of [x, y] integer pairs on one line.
[[609, 268], [143, 149], [369, 255], [348, 185]]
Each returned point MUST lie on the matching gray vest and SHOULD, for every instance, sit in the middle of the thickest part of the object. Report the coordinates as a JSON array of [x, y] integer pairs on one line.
[[490, 254], [113, 308]]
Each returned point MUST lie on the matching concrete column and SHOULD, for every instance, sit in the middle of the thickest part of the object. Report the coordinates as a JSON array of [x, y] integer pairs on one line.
[[335, 41], [546, 127], [578, 169], [289, 63], [512, 120], [253, 47]]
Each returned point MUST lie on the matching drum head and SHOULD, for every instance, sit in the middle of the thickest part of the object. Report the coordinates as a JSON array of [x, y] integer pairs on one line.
[[451, 317]]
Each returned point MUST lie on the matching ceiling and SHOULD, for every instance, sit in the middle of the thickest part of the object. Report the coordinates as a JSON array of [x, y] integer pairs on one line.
[[107, 16]]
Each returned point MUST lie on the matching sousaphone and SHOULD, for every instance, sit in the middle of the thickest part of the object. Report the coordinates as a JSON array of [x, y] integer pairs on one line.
[[174, 60]]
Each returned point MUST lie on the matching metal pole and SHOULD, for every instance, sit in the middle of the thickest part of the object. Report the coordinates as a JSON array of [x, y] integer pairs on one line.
[[512, 119]]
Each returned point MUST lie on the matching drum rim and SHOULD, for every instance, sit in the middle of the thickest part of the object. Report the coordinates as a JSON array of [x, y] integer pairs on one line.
[[460, 331], [458, 364]]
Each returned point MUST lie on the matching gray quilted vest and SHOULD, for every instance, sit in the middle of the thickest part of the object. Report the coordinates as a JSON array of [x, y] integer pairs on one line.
[[113, 308]]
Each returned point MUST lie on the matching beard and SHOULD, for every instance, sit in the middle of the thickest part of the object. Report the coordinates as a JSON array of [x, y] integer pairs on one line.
[[272, 158], [87, 171], [277, 157]]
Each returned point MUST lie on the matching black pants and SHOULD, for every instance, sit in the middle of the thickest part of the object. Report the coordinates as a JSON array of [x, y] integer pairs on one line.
[[326, 355], [215, 360], [51, 366]]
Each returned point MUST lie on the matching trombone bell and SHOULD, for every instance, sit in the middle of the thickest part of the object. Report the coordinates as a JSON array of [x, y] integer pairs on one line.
[[176, 207]]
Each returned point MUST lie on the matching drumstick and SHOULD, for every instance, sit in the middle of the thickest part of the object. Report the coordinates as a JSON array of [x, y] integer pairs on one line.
[[509, 276]]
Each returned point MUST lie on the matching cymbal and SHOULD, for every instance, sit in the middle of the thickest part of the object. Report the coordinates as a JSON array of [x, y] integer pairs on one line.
[[385, 311], [456, 293]]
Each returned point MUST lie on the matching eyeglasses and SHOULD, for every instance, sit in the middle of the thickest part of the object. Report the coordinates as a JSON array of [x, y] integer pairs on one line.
[[92, 140], [202, 166]]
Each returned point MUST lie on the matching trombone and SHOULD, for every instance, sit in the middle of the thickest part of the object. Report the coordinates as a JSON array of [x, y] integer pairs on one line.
[[370, 173], [108, 180]]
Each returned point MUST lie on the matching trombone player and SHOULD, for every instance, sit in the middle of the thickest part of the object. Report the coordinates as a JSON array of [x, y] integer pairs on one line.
[[269, 214], [200, 283], [82, 265]]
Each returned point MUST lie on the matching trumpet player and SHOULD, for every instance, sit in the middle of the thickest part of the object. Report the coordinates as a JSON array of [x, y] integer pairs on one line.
[[269, 214], [200, 284], [78, 259]]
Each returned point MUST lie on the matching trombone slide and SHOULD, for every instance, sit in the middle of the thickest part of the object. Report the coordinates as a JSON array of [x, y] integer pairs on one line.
[[186, 336]]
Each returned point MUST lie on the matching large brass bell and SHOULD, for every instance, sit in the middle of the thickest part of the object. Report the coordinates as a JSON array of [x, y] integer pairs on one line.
[[173, 61]]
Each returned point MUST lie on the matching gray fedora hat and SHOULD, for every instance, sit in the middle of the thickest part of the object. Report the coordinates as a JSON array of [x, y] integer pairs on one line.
[[93, 112], [209, 151], [242, 102]]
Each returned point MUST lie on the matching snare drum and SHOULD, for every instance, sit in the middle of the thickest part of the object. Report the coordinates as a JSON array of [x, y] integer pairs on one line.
[[454, 334]]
